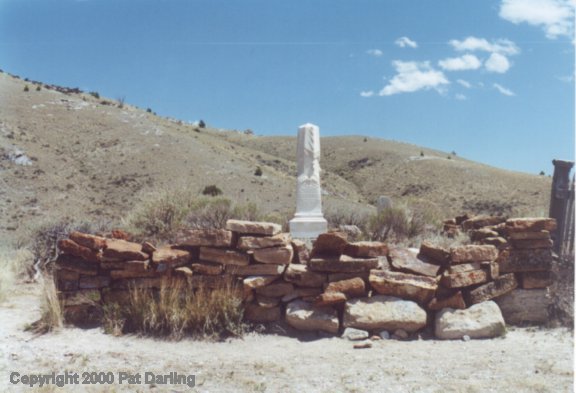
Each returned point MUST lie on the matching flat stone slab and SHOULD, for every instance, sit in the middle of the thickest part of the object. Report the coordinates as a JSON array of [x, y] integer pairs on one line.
[[480, 221], [384, 313], [535, 224], [253, 227], [70, 247], [482, 320], [207, 268], [525, 260], [205, 238], [95, 243], [405, 260], [170, 256], [537, 235], [330, 244], [302, 315], [536, 280], [336, 265], [355, 334], [354, 287], [402, 285], [303, 276], [434, 254], [278, 289], [275, 255], [473, 253], [330, 299], [76, 264], [117, 249], [464, 279], [225, 257], [251, 242], [366, 249], [498, 287], [525, 306], [256, 313], [258, 269], [254, 282]]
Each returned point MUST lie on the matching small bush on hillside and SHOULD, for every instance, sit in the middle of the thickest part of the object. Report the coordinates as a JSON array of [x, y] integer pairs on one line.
[[337, 216], [258, 171], [201, 124], [212, 190], [26, 88], [95, 94], [38, 88], [178, 310], [397, 223]]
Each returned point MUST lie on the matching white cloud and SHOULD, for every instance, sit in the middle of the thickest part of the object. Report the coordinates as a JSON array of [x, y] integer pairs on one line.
[[503, 46], [413, 76], [464, 83], [497, 63], [556, 17], [460, 97], [368, 93], [403, 42], [375, 52], [466, 62], [503, 90]]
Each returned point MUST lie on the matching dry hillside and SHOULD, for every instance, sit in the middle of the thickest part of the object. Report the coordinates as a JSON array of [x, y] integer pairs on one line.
[[71, 154]]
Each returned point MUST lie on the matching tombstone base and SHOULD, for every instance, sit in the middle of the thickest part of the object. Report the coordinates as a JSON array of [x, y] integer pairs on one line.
[[308, 227]]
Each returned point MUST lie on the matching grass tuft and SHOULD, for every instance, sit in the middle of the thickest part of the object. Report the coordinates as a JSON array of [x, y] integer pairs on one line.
[[51, 308]]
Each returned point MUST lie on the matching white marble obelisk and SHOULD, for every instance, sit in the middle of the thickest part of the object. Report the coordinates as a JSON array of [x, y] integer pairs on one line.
[[308, 222]]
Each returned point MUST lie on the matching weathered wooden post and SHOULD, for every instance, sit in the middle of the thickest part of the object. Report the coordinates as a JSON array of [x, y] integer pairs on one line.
[[559, 199]]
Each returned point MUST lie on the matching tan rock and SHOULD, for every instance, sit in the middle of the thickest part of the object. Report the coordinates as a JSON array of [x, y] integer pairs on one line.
[[536, 280], [435, 254], [537, 235], [255, 282], [301, 275], [492, 268], [95, 243], [332, 277], [532, 243], [405, 260], [479, 321], [253, 227], [120, 234], [76, 264], [184, 271], [366, 249], [255, 270], [477, 222], [117, 249], [207, 268], [342, 266], [148, 248], [329, 244], [384, 313], [275, 255], [482, 233], [304, 316], [301, 254], [70, 247], [170, 256], [473, 253], [464, 279], [464, 267], [498, 242], [225, 257], [255, 313], [267, 302], [403, 285], [205, 238], [251, 242], [498, 287], [522, 306], [278, 289], [456, 301], [536, 224], [354, 287], [330, 299], [530, 260], [305, 292]]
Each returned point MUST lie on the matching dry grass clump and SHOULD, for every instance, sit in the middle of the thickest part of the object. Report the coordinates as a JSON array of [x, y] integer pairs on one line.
[[51, 308], [14, 264], [400, 224], [162, 214], [177, 310]]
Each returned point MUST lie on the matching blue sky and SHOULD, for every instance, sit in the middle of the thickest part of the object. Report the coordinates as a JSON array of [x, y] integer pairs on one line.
[[492, 80]]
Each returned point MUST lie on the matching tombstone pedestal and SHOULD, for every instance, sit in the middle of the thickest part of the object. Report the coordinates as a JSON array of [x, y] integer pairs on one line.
[[308, 227]]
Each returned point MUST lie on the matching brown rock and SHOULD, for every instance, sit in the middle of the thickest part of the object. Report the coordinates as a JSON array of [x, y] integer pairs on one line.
[[138, 283], [301, 254], [530, 260], [342, 266], [76, 264], [255, 270], [253, 227], [330, 299], [353, 287], [148, 248], [117, 249], [93, 282], [329, 244], [464, 267], [267, 302], [366, 249], [213, 282], [300, 293], [118, 274], [406, 261], [473, 253], [275, 290], [225, 257], [207, 268], [346, 276], [184, 271], [538, 235], [482, 233], [255, 313], [66, 280], [498, 287], [492, 268], [477, 222], [402, 285], [170, 256], [302, 275], [498, 242], [254, 282], [275, 255], [363, 345], [536, 280], [125, 265], [70, 247], [455, 301], [529, 243], [118, 296], [465, 279], [530, 224], [436, 254], [95, 243], [251, 242], [206, 238], [120, 234]]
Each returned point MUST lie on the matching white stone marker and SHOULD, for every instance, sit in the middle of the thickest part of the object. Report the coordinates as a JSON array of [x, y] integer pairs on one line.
[[308, 222]]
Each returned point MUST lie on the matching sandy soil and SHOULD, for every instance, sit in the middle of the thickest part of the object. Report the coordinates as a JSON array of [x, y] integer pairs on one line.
[[525, 360]]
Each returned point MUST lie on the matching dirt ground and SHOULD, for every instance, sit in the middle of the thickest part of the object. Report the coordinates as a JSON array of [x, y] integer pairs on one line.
[[525, 360]]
